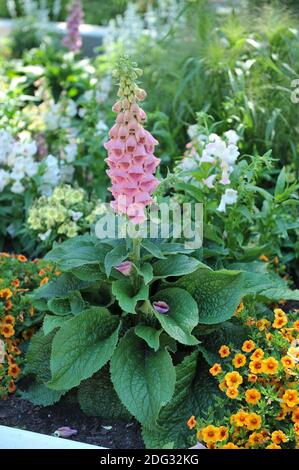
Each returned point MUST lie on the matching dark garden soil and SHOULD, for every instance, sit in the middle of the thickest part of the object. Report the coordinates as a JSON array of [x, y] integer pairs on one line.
[[15, 412]]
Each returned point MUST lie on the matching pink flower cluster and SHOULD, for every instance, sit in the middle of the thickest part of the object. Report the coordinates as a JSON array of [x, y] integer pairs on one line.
[[131, 161], [73, 39]]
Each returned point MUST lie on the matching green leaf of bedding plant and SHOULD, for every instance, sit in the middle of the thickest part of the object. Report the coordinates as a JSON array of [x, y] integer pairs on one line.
[[125, 294], [82, 346], [53, 321], [114, 257], [182, 316], [150, 335], [62, 286], [177, 265], [143, 379], [40, 395], [38, 356]]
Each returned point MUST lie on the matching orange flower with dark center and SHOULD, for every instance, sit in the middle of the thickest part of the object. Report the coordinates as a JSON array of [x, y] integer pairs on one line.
[[248, 346], [270, 366], [22, 258], [288, 362], [9, 320], [291, 398], [5, 293], [296, 325], [295, 415], [15, 283], [257, 354], [223, 433], [7, 331], [224, 351], [239, 418], [44, 281], [252, 378], [256, 438], [264, 258], [230, 445], [273, 446], [296, 429], [253, 421], [279, 313], [278, 437], [239, 361], [252, 396], [191, 423], [232, 392], [14, 371], [8, 305], [216, 369], [233, 379], [281, 415], [255, 366], [210, 434], [11, 386], [279, 322]]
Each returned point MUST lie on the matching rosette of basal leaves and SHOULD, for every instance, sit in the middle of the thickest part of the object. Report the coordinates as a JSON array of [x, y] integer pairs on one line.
[[101, 315]]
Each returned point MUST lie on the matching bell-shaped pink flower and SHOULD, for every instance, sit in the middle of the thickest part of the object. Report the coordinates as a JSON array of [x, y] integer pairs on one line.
[[73, 39], [125, 268]]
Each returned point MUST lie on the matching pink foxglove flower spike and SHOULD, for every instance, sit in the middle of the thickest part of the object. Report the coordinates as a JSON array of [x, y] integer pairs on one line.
[[131, 158], [73, 40]]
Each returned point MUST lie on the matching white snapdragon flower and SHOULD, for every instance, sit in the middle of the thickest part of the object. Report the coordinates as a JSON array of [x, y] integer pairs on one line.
[[188, 164], [192, 131], [71, 151], [101, 127], [6, 144], [228, 198], [4, 179], [17, 188], [82, 112], [27, 149], [76, 215], [52, 117], [51, 176], [232, 137], [67, 173], [44, 236], [31, 167], [209, 182]]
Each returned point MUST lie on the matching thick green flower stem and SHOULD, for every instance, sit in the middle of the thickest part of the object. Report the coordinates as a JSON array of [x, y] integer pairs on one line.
[[136, 251]]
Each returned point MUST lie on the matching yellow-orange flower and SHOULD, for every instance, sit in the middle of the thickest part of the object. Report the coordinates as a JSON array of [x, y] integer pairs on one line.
[[8, 305], [252, 378], [7, 331], [256, 438], [216, 369], [262, 324], [233, 379], [281, 415], [223, 433], [288, 362], [22, 258], [253, 421], [279, 322], [14, 371], [9, 320], [278, 437], [210, 434], [5, 293], [264, 258], [232, 392], [270, 366], [230, 445], [279, 313], [255, 366], [191, 423], [44, 281], [11, 386], [248, 346], [15, 283], [240, 308], [291, 398], [296, 429], [222, 386], [296, 325], [252, 396], [295, 415], [239, 418], [273, 446], [224, 351], [239, 360], [257, 354]]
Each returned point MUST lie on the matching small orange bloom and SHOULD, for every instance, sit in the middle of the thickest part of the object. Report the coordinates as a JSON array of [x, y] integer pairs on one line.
[[230, 445], [15, 283], [233, 379], [253, 421], [222, 386], [257, 354], [22, 258], [256, 438], [210, 434], [191, 423], [9, 320], [239, 361], [296, 429], [5, 293], [295, 415], [248, 346], [252, 396], [279, 313], [44, 281], [8, 305], [296, 325], [11, 386], [288, 362], [239, 418], [232, 392], [278, 437], [279, 322], [252, 378], [224, 351], [7, 331], [273, 446], [239, 309], [14, 371], [264, 258], [223, 433], [216, 369], [291, 398], [270, 366], [255, 366]]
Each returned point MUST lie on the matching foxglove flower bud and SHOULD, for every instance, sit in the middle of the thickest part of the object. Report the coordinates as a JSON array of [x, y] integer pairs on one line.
[[73, 40], [125, 268], [161, 307]]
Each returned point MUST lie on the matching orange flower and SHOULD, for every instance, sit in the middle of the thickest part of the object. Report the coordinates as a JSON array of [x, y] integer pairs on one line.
[[239, 418], [230, 445], [273, 446], [295, 415], [14, 371], [269, 336], [9, 320], [239, 361], [288, 362], [255, 366], [253, 421], [252, 396], [7, 331], [258, 354], [252, 378], [42, 272], [22, 258], [222, 386], [8, 305], [296, 429], [248, 346], [216, 369], [281, 415], [191, 423], [223, 433], [210, 434], [256, 438], [232, 392], [278, 437], [44, 281], [291, 398], [262, 324], [5, 293], [296, 325], [224, 351], [15, 283], [11, 386], [239, 309], [279, 322], [264, 258], [279, 313], [270, 366], [233, 379]]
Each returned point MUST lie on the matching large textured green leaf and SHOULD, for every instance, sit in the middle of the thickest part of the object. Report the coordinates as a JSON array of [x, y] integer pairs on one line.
[[195, 392], [182, 316], [62, 286], [38, 356], [126, 295], [114, 257], [82, 346], [176, 265], [53, 321], [144, 379], [97, 397], [40, 395], [150, 335]]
